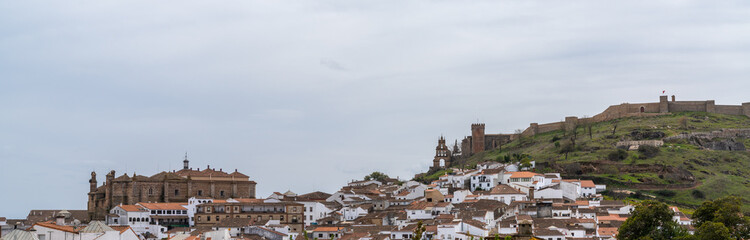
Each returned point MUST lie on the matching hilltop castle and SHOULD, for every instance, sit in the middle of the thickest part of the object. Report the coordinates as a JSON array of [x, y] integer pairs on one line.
[[479, 141], [175, 186]]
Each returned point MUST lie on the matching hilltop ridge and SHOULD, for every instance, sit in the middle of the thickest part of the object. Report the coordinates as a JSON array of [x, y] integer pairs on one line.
[[680, 157]]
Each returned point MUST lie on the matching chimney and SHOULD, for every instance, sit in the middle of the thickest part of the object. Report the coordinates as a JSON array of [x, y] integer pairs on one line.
[[531, 193], [672, 98], [60, 220]]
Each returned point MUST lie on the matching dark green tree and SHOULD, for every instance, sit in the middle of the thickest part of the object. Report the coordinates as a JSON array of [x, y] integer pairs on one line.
[[726, 211], [418, 231], [713, 230], [525, 163], [377, 176], [650, 220]]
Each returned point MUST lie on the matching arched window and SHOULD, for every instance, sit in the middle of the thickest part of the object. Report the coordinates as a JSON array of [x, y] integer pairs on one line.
[[643, 109]]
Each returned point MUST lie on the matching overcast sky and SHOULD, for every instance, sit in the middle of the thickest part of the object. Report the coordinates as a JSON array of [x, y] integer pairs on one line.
[[307, 95]]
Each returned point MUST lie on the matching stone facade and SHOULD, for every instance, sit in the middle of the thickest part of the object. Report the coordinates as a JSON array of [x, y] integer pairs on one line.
[[443, 154], [479, 141], [287, 213], [175, 186]]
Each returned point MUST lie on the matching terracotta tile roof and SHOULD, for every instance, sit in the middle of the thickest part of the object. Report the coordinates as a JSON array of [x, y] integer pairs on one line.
[[504, 189], [588, 184], [122, 229], [50, 224], [248, 200], [524, 175], [607, 231], [547, 232], [419, 205], [326, 229], [164, 206], [314, 196], [611, 217], [132, 208]]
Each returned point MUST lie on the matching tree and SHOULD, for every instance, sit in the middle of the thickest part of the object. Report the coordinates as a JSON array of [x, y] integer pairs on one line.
[[614, 127], [525, 163], [713, 230], [617, 155], [726, 211], [650, 220], [418, 231], [377, 176], [566, 148]]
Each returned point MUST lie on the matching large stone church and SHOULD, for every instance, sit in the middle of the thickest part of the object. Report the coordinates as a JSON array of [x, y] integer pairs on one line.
[[175, 186]]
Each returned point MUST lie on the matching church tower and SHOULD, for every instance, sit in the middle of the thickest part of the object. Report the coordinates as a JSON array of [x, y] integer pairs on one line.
[[185, 163], [442, 154]]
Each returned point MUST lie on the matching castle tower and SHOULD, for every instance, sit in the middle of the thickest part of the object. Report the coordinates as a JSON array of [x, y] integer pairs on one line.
[[663, 104], [442, 153], [92, 182], [185, 163], [477, 138]]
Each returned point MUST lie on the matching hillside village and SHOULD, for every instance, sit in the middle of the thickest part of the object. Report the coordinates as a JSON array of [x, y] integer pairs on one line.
[[500, 195], [492, 200]]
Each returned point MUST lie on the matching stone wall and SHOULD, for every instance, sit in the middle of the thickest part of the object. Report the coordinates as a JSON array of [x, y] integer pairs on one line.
[[728, 109]]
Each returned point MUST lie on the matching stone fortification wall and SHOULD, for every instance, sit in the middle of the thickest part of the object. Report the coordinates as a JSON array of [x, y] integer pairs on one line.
[[479, 142], [729, 109], [689, 106]]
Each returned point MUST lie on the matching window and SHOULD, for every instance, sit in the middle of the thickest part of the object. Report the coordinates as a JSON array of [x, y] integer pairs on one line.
[[177, 192], [217, 218], [199, 218], [150, 191], [221, 193], [200, 192]]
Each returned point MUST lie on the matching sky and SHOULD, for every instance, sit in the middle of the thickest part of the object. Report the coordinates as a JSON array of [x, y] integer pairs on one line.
[[309, 95]]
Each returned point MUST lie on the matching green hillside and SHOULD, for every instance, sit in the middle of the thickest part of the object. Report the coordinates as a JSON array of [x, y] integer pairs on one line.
[[691, 174]]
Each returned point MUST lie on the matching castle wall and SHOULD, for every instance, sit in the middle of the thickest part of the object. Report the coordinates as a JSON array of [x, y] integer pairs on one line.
[[729, 109], [663, 107], [549, 127], [492, 141], [688, 106]]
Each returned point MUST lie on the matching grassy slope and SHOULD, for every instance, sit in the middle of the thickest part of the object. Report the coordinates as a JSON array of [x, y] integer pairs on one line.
[[720, 172]]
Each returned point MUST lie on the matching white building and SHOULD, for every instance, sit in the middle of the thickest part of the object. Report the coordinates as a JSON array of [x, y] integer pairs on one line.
[[135, 216], [485, 180]]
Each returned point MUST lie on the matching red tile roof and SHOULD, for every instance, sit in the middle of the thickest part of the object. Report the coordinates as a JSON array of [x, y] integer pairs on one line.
[[52, 225], [524, 175], [326, 229], [132, 208], [164, 206]]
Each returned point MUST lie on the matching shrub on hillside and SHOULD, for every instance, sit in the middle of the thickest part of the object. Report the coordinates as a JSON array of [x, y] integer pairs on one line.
[[617, 155], [647, 151], [666, 193], [698, 194]]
